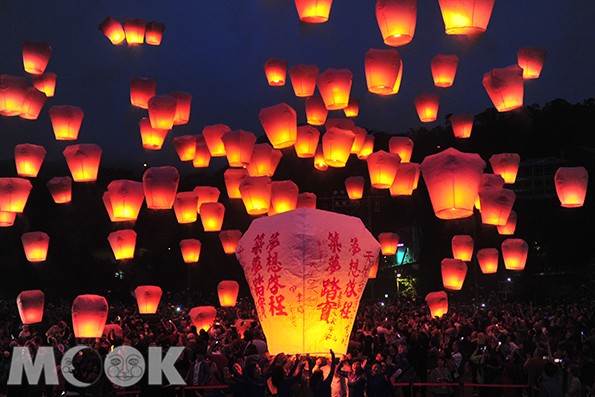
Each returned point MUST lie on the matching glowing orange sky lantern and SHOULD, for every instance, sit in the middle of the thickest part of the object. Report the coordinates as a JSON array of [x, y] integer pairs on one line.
[[382, 70], [302, 311], [382, 167], [89, 314], [162, 111], [36, 246], [66, 122], [12, 94], [488, 260], [113, 30], [444, 69], [202, 155], [160, 185], [374, 269], [45, 83], [352, 109], [206, 194], [453, 273], [141, 90], [152, 139], [514, 253], [335, 87], [275, 71], [154, 33], [306, 200], [466, 17], [306, 141], [396, 20], [462, 247], [233, 177], [319, 162], [238, 147], [185, 207], [406, 180], [211, 216], [462, 124], [367, 148], [229, 240], [531, 60], [496, 205], [506, 165], [36, 56], [388, 243], [401, 145], [452, 179], [7, 218], [60, 188], [313, 11], [571, 186], [30, 304], [256, 194], [284, 196], [264, 160], [336, 146], [185, 146], [183, 105], [303, 79], [33, 102], [427, 107], [83, 161], [135, 31], [190, 250], [280, 124], [14, 193], [228, 292], [354, 185], [438, 303], [108, 207], [123, 243], [509, 228], [316, 112], [147, 298], [489, 180], [126, 198], [213, 134], [505, 87], [360, 138], [202, 317], [28, 159]]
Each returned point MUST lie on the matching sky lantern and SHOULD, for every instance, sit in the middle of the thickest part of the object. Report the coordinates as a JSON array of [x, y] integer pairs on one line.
[[354, 185], [401, 145], [135, 31], [141, 90], [306, 141], [382, 70], [466, 17], [488, 260], [509, 227], [461, 124], [89, 314], [505, 87], [382, 167], [7, 218], [335, 86], [160, 185], [284, 195], [306, 200], [36, 246], [452, 179], [33, 102], [438, 303], [506, 165], [514, 253], [202, 317], [45, 83], [275, 71], [36, 56], [427, 107], [453, 273], [12, 94], [202, 156], [303, 79], [571, 186], [311, 304], [352, 109], [367, 148], [162, 111], [256, 194], [154, 33], [185, 146], [126, 199], [30, 304], [336, 146], [213, 134], [319, 162], [14, 193], [238, 147], [151, 138], [489, 180], [396, 20], [374, 269], [83, 161], [185, 207], [206, 194], [280, 124], [66, 122], [107, 203], [229, 240], [147, 298], [28, 158], [462, 247], [113, 30], [190, 250], [313, 11], [360, 138], [211, 216], [60, 188], [496, 205], [123, 243], [316, 111], [389, 243], [406, 180], [264, 160], [444, 69], [233, 177], [228, 292], [183, 104], [531, 60]]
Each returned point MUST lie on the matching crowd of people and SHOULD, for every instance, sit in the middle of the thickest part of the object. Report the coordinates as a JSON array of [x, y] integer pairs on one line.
[[396, 348]]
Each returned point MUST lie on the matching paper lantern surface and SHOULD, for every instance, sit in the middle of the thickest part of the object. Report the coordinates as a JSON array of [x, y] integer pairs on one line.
[[401, 145], [211, 216], [28, 159], [506, 165], [427, 107], [45, 83], [190, 250], [89, 314], [151, 138], [571, 186], [488, 260], [444, 70], [496, 205], [126, 198], [233, 177], [185, 205], [303, 79], [367, 148], [134, 29], [453, 273], [160, 185], [389, 243], [306, 200], [280, 125], [206, 194], [229, 240], [462, 124], [113, 30], [30, 305], [83, 161], [238, 147], [36, 56], [514, 253], [406, 180], [313, 11], [354, 185], [264, 160], [382, 167], [256, 194], [509, 228], [141, 90], [462, 247], [352, 109], [185, 146], [531, 60], [382, 70], [154, 33], [183, 106], [147, 298], [466, 17], [316, 111], [202, 317], [33, 102], [306, 141], [397, 20], [336, 146], [284, 195], [66, 122], [123, 243], [335, 87], [36, 246], [14, 193], [213, 134], [438, 303], [162, 111], [505, 87], [227, 290], [12, 94], [7, 218], [60, 188], [275, 71]]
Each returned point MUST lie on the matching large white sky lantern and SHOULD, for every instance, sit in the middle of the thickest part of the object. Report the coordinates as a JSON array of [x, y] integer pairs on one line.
[[307, 270]]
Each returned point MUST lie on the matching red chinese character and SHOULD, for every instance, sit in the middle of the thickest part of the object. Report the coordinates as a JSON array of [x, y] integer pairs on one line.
[[333, 264], [273, 264], [274, 284], [369, 258], [354, 246], [273, 242], [325, 310], [354, 267], [350, 289], [276, 306], [333, 242], [330, 288], [256, 264], [346, 310], [258, 244]]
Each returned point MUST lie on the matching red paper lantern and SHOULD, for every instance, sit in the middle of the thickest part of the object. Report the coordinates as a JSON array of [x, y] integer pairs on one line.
[[264, 160], [444, 69], [389, 243], [427, 107], [45, 83], [256, 194], [382, 167], [83, 161], [374, 269], [383, 68], [406, 180], [496, 205], [36, 246], [462, 247], [233, 177], [336, 146], [505, 87], [462, 124], [30, 304], [123, 243], [14, 193], [489, 180], [401, 145], [275, 71], [108, 207], [466, 17], [306, 141], [202, 317], [183, 105], [151, 138], [229, 240], [354, 185], [147, 298], [280, 124], [531, 60], [213, 134], [36, 56], [367, 148], [488, 260], [202, 156], [319, 162], [66, 122], [284, 196], [162, 111], [453, 273], [313, 11], [7, 218], [206, 194], [211, 216], [160, 185], [60, 188], [506, 165], [514, 253], [135, 31], [303, 79], [28, 159], [154, 33], [316, 112], [306, 200], [185, 146], [438, 303], [509, 228], [185, 207], [113, 30], [571, 186], [396, 19], [360, 139], [190, 250], [126, 199], [12, 94], [228, 293], [89, 314], [238, 147], [352, 109], [335, 86], [33, 102], [141, 90]]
